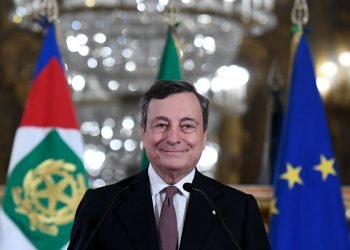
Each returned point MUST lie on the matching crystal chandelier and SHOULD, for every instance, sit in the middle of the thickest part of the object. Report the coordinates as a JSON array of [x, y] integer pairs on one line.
[[112, 48]]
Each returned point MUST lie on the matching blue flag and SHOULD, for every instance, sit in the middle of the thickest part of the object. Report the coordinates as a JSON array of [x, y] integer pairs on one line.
[[308, 211]]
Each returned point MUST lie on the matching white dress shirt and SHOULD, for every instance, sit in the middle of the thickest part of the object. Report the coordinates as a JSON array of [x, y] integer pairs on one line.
[[180, 199]]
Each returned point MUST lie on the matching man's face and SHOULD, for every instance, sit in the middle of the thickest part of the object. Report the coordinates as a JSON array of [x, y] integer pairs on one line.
[[174, 137]]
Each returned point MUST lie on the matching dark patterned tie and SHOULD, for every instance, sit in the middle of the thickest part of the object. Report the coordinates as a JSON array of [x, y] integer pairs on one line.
[[167, 221]]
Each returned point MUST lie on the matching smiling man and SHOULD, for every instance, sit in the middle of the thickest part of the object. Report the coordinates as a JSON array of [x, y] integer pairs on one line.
[[173, 129], [170, 205]]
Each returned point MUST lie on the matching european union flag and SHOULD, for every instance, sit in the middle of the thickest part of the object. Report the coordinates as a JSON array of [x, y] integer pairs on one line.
[[308, 211]]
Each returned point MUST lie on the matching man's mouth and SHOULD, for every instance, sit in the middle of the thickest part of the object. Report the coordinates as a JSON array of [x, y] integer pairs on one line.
[[173, 152]]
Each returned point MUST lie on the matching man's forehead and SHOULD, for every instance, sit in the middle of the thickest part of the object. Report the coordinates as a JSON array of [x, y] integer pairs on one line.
[[185, 107], [183, 95], [176, 103]]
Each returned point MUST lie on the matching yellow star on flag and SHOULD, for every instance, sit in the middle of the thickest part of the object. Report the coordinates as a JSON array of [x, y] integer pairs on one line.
[[273, 209], [292, 175], [326, 167]]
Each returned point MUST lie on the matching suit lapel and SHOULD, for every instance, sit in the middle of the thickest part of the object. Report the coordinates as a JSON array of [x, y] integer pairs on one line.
[[200, 219], [137, 215]]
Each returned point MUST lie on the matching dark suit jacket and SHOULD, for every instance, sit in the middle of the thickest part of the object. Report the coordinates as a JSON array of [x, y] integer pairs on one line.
[[131, 222]]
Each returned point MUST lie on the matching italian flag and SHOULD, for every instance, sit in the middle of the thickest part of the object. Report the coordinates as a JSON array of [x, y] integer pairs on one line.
[[46, 176], [169, 69]]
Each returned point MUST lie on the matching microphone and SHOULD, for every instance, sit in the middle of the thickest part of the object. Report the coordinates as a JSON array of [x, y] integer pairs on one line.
[[111, 205], [189, 187]]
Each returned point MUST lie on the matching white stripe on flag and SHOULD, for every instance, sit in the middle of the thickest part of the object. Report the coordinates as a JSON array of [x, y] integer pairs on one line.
[[27, 138], [15, 239]]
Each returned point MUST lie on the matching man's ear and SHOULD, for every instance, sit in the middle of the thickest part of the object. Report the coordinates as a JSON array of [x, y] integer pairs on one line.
[[205, 139], [142, 132]]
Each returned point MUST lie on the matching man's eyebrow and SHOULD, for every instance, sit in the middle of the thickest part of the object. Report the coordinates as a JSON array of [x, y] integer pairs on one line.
[[160, 118], [185, 119], [166, 119]]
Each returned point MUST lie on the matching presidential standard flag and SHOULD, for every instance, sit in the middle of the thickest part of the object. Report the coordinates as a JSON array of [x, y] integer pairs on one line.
[[169, 69], [46, 177], [308, 211]]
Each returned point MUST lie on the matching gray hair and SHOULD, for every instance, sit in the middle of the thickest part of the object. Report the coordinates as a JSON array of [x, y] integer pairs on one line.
[[163, 88]]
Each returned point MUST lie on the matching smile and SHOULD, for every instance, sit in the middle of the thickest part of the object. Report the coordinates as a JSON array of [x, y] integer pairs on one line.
[[173, 152]]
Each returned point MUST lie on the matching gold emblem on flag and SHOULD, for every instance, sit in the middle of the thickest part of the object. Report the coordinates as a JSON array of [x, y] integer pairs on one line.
[[50, 195]]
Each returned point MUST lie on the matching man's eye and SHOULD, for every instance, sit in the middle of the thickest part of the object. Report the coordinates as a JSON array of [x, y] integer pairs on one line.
[[188, 128], [161, 125]]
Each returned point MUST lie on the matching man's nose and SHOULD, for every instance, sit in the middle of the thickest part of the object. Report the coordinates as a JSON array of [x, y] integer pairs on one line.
[[174, 135]]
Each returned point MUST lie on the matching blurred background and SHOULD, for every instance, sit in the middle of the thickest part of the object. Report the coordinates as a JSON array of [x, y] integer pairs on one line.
[[236, 52]]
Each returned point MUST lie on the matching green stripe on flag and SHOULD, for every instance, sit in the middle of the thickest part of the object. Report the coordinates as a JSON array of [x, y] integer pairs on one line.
[[43, 192], [170, 66]]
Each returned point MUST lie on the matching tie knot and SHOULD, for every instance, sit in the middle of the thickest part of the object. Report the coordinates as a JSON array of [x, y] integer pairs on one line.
[[170, 191]]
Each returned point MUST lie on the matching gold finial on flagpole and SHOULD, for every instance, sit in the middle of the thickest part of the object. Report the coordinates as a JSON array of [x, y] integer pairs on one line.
[[172, 20], [47, 14], [171, 14], [300, 17], [300, 13], [48, 9]]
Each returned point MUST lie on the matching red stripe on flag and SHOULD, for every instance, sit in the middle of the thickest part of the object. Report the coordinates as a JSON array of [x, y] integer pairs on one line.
[[49, 103]]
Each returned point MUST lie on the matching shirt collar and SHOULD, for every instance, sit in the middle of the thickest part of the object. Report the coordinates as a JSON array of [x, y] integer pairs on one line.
[[158, 184]]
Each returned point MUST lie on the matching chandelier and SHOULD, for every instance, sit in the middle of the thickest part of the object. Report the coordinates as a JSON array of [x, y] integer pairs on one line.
[[112, 48]]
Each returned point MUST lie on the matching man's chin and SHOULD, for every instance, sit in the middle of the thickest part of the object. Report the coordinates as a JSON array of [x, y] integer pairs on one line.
[[174, 164]]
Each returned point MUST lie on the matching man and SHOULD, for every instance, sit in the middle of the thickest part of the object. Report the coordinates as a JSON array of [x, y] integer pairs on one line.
[[129, 214]]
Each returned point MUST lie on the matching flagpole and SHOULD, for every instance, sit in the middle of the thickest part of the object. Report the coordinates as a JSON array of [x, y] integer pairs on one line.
[[272, 130]]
